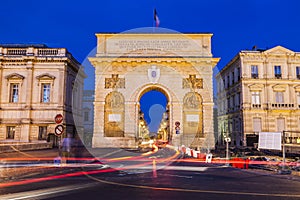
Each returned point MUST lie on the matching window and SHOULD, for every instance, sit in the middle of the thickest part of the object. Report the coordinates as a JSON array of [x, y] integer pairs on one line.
[[45, 92], [219, 86], [277, 71], [75, 93], [298, 98], [232, 78], [232, 102], [228, 103], [256, 125], [280, 124], [238, 74], [228, 81], [254, 71], [10, 132], [238, 99], [86, 116], [42, 133], [14, 93], [279, 97], [298, 72], [255, 98]]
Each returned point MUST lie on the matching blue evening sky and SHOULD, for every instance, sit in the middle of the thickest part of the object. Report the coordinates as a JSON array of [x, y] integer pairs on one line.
[[236, 24]]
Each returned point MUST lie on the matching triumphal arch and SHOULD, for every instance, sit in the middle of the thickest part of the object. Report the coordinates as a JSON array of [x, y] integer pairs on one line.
[[130, 64]]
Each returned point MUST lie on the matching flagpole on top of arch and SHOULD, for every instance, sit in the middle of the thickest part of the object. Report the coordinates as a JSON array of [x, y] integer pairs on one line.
[[156, 20]]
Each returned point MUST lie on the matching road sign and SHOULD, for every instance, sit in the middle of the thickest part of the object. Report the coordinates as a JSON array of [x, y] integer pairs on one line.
[[58, 118], [227, 139], [59, 130], [177, 123]]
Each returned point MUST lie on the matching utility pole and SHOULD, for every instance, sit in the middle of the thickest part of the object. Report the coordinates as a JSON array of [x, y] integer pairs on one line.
[[284, 170]]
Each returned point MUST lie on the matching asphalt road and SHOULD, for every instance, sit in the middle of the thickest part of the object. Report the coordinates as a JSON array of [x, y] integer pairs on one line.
[[138, 179]]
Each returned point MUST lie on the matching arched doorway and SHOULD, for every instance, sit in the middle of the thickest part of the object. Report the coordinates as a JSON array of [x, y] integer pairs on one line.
[[153, 115]]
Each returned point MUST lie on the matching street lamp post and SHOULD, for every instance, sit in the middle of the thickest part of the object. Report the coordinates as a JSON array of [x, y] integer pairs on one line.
[[227, 140], [283, 150]]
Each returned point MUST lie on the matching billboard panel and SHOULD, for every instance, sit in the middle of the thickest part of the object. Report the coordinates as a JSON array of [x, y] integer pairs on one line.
[[269, 140]]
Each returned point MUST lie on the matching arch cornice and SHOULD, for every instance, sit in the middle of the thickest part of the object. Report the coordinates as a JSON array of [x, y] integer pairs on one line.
[[96, 61]]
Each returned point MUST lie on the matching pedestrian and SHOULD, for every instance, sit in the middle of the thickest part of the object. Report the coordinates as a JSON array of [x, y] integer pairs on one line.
[[67, 147], [78, 148]]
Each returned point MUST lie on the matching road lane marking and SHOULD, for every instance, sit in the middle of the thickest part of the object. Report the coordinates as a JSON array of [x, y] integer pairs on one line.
[[111, 153], [176, 175], [185, 168]]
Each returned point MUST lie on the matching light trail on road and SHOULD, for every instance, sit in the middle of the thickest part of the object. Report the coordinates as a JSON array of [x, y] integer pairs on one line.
[[67, 175]]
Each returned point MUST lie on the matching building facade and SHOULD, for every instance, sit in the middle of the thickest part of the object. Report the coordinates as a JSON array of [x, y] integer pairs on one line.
[[37, 83], [259, 91], [131, 64]]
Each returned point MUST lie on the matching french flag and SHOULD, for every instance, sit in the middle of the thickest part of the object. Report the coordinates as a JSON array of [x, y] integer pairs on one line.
[[156, 19]]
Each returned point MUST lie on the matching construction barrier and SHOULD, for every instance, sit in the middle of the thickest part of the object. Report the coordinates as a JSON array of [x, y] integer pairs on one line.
[[208, 158], [188, 151], [240, 163]]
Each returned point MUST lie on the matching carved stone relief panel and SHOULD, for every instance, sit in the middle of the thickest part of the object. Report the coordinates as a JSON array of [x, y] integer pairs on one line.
[[192, 116], [114, 115], [192, 82], [114, 82]]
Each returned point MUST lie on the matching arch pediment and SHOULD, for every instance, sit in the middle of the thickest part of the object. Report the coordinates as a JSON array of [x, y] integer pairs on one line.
[[279, 50], [279, 87], [45, 76], [256, 87], [14, 76]]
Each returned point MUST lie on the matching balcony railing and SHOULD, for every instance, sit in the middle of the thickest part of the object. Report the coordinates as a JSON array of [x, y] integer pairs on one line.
[[52, 52], [256, 105], [33, 51], [16, 52], [270, 106], [282, 105]]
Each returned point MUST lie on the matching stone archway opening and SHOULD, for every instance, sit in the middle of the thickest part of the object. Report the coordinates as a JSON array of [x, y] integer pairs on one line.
[[153, 119]]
